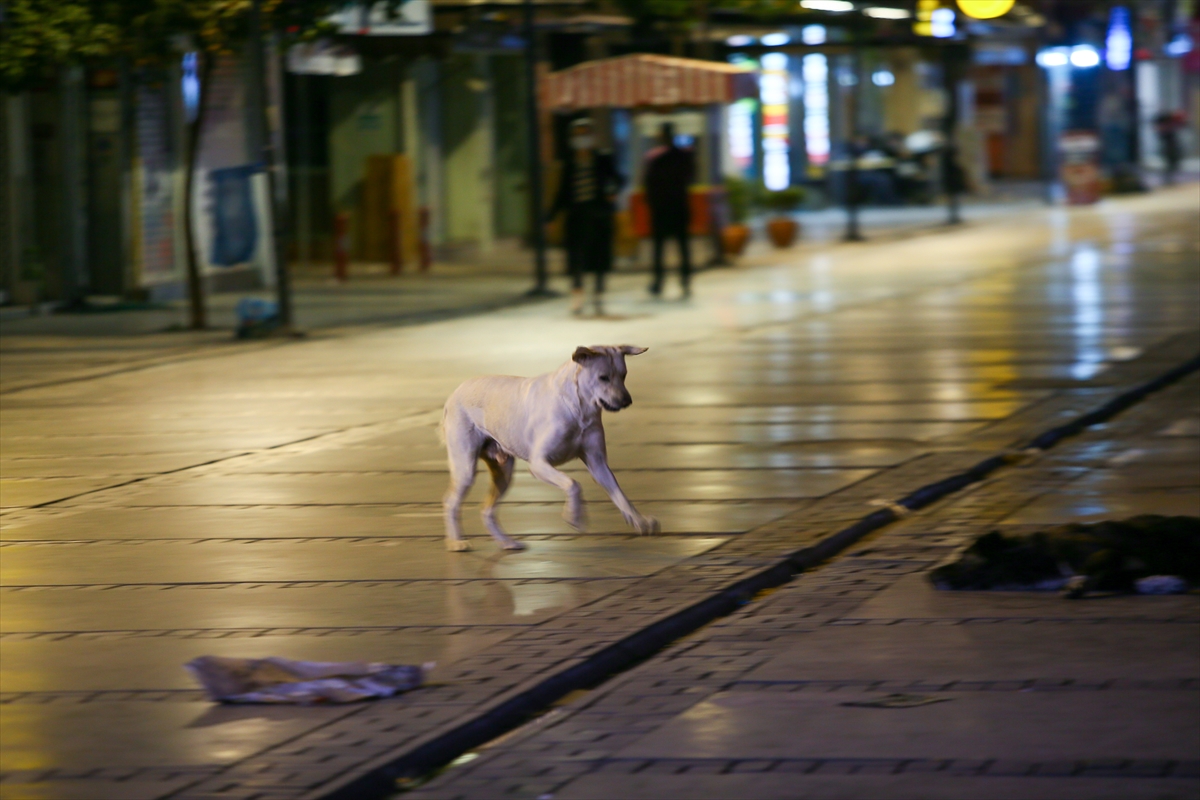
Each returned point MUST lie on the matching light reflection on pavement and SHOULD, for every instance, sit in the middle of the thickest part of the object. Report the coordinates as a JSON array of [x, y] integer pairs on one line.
[[285, 501]]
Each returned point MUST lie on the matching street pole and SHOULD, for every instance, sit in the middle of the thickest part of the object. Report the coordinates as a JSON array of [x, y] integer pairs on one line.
[[1135, 123], [304, 173], [950, 165], [74, 237], [270, 161], [852, 232], [536, 206]]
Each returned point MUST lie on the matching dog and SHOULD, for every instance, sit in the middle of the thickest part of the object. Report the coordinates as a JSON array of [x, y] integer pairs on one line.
[[1108, 556], [547, 421]]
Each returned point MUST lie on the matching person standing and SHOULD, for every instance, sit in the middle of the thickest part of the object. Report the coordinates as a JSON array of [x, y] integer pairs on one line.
[[1167, 125], [669, 172], [586, 192]]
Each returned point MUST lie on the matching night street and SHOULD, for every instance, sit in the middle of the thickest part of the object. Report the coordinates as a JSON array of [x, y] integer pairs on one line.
[[285, 500], [817, 381]]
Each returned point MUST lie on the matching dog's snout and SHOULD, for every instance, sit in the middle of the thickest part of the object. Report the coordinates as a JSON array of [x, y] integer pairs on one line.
[[626, 400]]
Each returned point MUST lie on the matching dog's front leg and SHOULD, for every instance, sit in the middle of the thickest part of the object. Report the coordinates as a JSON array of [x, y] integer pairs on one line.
[[597, 464], [544, 471]]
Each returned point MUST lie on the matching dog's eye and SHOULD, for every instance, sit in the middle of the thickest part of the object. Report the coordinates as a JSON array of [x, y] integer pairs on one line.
[[604, 378]]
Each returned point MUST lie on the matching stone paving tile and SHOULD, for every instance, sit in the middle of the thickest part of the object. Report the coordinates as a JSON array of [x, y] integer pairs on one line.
[[780, 785], [955, 519], [959, 360]]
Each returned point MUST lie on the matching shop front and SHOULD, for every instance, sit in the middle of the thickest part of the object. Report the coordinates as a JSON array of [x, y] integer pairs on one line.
[[641, 92]]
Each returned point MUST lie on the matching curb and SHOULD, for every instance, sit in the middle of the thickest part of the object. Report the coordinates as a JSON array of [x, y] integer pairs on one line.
[[642, 644]]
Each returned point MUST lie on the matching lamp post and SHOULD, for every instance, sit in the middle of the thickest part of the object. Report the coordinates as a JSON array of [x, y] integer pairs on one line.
[[852, 231], [540, 289], [271, 163], [951, 177]]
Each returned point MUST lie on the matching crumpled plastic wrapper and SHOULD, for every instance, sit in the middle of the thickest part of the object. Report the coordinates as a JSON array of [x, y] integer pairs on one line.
[[1161, 584], [282, 680]]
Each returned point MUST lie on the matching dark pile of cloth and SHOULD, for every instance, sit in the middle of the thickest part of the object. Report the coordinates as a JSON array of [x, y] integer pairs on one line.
[[1150, 554]]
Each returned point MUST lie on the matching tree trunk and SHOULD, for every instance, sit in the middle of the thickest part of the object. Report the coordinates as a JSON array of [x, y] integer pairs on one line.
[[198, 313]]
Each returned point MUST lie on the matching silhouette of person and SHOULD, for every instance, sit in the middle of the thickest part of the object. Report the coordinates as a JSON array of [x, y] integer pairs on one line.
[[669, 172], [589, 185]]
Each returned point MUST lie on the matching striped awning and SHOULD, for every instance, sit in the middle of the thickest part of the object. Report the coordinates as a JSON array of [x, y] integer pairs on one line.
[[644, 80]]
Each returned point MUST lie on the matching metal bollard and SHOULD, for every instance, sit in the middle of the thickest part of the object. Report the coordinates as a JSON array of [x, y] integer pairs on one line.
[[341, 246]]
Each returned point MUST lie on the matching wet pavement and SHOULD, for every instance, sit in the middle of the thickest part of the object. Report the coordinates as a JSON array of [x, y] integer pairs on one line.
[[285, 499], [46, 348], [1014, 695]]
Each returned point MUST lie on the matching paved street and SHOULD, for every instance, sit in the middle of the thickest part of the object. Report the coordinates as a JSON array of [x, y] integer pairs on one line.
[[1028, 695], [38, 350], [284, 499]]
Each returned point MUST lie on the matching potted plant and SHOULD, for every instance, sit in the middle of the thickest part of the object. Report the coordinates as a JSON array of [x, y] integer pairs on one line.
[[735, 235], [782, 227]]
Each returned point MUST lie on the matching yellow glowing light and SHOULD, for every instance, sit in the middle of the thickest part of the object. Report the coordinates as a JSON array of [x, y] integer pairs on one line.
[[985, 9]]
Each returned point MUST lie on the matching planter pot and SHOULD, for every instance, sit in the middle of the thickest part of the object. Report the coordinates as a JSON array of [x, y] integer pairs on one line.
[[782, 231], [734, 238]]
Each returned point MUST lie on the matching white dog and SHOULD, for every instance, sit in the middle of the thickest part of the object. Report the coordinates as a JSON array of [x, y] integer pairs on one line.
[[547, 420]]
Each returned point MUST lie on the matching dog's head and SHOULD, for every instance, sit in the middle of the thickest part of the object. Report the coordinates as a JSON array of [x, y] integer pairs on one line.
[[602, 374]]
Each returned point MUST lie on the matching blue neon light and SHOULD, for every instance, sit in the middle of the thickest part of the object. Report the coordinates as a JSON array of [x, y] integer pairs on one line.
[[1118, 45]]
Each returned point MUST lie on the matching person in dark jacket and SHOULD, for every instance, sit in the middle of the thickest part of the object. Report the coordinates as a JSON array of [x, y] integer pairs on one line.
[[1168, 124], [589, 186], [670, 170]]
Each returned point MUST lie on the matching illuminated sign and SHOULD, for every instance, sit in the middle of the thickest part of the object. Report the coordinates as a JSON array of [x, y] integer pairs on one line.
[[815, 72], [741, 134], [1118, 44], [409, 18], [773, 90], [833, 6], [885, 12]]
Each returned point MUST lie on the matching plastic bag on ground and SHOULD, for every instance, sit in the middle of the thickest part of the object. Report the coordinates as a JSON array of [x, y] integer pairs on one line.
[[282, 680]]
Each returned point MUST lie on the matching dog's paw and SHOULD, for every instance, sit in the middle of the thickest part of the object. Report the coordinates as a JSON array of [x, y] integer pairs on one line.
[[458, 545], [511, 544], [647, 525], [576, 518]]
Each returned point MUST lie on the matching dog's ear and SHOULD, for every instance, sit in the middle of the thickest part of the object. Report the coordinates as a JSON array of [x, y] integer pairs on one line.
[[583, 354], [630, 350]]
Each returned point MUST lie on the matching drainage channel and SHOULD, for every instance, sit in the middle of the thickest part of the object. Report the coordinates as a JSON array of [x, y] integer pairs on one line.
[[538, 705]]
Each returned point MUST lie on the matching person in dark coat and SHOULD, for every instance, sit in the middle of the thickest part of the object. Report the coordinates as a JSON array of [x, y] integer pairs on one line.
[[586, 192], [670, 170], [1167, 125]]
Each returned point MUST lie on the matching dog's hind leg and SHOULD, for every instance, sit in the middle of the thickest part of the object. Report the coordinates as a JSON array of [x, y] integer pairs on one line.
[[500, 465], [462, 451]]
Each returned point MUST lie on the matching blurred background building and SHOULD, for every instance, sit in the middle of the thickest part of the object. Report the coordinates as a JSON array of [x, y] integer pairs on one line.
[[407, 136]]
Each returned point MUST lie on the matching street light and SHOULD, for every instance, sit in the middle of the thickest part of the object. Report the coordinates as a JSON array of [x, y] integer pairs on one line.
[[887, 12], [985, 9], [1084, 56], [1181, 45], [1053, 57], [833, 6], [813, 34]]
